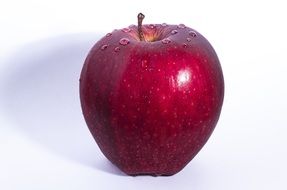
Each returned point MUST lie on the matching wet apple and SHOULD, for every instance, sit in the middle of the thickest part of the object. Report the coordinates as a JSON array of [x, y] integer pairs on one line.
[[151, 96]]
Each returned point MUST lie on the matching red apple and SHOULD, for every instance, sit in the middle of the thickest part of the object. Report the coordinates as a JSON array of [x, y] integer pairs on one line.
[[151, 96]]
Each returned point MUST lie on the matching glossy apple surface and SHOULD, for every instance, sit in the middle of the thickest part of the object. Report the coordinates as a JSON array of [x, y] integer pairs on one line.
[[151, 105]]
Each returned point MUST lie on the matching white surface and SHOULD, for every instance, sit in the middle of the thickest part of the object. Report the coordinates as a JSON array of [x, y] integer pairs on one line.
[[44, 142]]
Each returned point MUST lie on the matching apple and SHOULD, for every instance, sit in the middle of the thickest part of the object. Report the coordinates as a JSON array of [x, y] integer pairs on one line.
[[151, 96]]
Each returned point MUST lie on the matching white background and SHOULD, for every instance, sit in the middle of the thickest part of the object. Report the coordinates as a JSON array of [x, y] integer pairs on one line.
[[44, 141]]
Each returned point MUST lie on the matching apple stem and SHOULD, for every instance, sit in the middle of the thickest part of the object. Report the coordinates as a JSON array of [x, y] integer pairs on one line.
[[140, 20]]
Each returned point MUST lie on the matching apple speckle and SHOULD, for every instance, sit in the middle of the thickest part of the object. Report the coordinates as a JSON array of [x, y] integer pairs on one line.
[[144, 64]]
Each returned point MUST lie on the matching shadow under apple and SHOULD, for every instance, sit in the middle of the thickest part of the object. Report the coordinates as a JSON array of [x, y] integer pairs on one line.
[[41, 96]]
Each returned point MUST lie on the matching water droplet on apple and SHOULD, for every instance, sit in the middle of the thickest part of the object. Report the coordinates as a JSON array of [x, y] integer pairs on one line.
[[124, 41], [151, 26], [108, 34], [188, 39], [192, 33], [104, 47], [181, 26], [166, 41], [126, 30], [164, 24], [174, 32], [117, 49], [184, 45]]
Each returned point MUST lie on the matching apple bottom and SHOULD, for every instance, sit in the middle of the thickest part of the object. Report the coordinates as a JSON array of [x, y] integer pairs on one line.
[[141, 152]]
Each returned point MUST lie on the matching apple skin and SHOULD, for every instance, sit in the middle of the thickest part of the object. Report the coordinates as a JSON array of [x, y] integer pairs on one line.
[[152, 105]]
